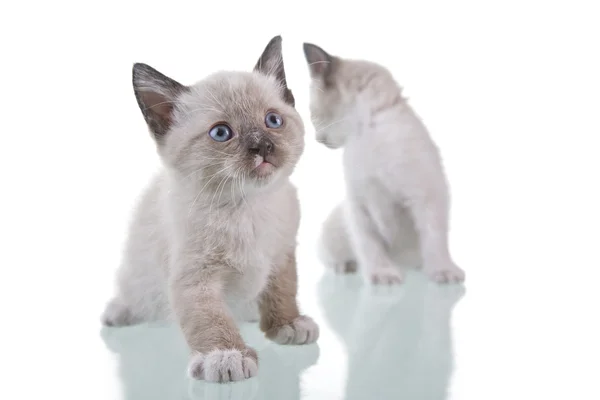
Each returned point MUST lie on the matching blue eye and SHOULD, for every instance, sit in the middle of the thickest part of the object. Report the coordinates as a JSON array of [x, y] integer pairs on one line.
[[220, 133], [273, 120]]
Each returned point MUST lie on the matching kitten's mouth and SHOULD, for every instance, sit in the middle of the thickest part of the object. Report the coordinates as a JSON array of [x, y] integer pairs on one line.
[[263, 166]]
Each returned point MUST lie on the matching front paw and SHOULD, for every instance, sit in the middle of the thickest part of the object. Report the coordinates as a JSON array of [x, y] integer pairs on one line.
[[224, 365], [386, 276], [302, 330], [445, 273]]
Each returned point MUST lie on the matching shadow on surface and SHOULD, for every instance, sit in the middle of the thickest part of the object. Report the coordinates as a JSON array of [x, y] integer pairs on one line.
[[153, 360], [398, 339]]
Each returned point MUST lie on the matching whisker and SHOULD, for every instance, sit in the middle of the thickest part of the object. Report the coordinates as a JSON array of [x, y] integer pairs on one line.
[[205, 108], [160, 104], [317, 84], [223, 181], [232, 186], [200, 169], [241, 185], [220, 152], [203, 187], [213, 97], [222, 189], [320, 62], [331, 124]]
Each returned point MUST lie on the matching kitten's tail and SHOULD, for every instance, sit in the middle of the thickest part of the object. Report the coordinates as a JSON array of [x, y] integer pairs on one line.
[[333, 247]]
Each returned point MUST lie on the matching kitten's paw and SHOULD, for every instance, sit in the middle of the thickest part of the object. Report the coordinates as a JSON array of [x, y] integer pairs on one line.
[[117, 314], [446, 273], [303, 330], [345, 267], [386, 276], [224, 365]]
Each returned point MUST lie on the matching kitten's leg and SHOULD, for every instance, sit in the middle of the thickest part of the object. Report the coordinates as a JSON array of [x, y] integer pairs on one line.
[[117, 313], [220, 354], [371, 249], [334, 248], [431, 221], [280, 319]]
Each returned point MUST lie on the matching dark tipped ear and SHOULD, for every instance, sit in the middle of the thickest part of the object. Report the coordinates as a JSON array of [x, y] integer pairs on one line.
[[271, 63], [319, 62], [156, 95]]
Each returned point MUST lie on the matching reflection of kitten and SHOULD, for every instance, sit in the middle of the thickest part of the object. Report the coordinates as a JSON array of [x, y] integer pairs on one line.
[[397, 196], [399, 343], [150, 358], [217, 227]]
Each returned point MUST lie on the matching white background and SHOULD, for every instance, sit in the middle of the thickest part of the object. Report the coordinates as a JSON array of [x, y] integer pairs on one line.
[[510, 92]]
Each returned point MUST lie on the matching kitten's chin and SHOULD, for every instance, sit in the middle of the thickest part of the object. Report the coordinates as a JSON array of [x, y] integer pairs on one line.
[[266, 176], [330, 144]]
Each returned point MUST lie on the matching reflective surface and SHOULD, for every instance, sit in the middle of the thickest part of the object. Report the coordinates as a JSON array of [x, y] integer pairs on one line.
[[398, 341], [397, 344], [152, 361]]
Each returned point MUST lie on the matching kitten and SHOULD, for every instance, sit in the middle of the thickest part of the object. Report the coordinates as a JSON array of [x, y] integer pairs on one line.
[[217, 227], [397, 204]]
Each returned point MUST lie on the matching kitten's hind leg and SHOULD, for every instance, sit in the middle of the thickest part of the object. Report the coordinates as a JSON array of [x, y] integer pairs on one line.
[[118, 314], [334, 246], [371, 248]]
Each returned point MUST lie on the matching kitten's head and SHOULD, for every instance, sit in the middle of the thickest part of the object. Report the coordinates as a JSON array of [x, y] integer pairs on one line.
[[343, 92], [331, 101], [230, 130]]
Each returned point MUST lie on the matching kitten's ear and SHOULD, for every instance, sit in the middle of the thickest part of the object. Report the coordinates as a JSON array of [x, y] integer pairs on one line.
[[319, 61], [156, 95], [271, 63]]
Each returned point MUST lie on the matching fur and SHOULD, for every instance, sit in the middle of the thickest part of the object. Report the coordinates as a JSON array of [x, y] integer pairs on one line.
[[397, 204], [215, 232]]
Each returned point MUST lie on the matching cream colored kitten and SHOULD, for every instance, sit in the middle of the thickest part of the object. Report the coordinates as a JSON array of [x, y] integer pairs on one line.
[[216, 229], [397, 205]]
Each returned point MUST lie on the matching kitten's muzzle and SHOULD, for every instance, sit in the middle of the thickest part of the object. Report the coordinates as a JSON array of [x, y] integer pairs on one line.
[[325, 142], [263, 147]]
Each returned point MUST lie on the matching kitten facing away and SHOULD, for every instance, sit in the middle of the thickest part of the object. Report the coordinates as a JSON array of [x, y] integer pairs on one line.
[[216, 229], [397, 204]]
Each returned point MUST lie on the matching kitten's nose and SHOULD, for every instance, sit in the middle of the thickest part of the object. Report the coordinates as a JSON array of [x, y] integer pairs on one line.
[[263, 147]]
